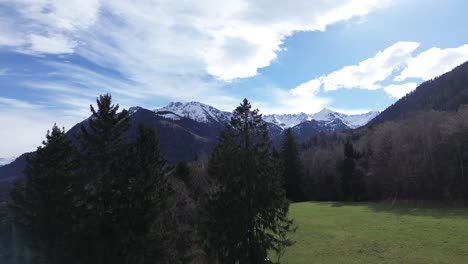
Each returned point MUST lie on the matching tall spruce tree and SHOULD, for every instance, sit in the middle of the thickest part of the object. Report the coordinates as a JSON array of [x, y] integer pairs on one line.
[[42, 206], [247, 211], [102, 164], [144, 230], [292, 166]]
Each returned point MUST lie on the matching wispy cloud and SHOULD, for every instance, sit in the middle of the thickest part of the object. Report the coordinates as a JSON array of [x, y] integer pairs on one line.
[[157, 41], [15, 103], [365, 75]]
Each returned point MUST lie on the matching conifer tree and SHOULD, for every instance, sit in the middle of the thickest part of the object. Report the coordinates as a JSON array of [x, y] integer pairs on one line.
[[292, 166], [145, 201], [352, 183], [42, 206], [247, 211], [102, 164]]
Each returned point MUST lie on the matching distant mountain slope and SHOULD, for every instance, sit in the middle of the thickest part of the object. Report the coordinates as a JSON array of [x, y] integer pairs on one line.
[[308, 129], [9, 172], [5, 161], [444, 93], [180, 138]]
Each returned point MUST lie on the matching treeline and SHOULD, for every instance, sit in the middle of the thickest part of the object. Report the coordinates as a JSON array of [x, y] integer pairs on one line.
[[423, 156], [108, 200]]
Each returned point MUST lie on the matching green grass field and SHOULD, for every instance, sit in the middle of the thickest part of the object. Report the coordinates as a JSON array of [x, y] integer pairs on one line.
[[377, 233]]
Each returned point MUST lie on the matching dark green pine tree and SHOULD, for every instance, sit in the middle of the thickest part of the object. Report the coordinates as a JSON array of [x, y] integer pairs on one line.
[[102, 164], [292, 166], [247, 212], [352, 183], [144, 201], [42, 206]]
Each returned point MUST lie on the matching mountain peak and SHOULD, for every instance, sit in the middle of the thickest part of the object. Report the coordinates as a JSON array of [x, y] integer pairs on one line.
[[325, 115], [196, 111], [325, 110], [204, 113], [133, 109]]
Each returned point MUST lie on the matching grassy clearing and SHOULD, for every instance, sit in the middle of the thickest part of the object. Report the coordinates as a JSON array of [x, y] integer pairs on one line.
[[377, 233]]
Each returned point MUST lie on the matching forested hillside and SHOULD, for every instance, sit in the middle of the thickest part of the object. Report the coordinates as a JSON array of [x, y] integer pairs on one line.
[[444, 93], [423, 156]]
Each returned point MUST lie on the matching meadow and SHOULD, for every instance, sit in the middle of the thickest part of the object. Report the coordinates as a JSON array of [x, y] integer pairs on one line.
[[330, 232]]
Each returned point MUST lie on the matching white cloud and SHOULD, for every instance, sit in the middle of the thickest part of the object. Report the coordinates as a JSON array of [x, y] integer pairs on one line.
[[55, 44], [279, 101], [59, 15], [396, 59], [366, 74], [400, 90], [369, 72], [308, 88], [226, 39], [434, 62]]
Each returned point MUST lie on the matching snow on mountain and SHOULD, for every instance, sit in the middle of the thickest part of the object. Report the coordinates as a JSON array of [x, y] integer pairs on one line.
[[355, 121], [5, 161], [327, 115], [204, 113], [288, 120], [133, 110], [196, 111], [352, 121]]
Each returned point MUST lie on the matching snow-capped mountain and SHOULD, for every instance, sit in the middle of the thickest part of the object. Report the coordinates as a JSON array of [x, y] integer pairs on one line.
[[352, 121], [205, 114], [193, 110], [355, 121], [327, 115], [5, 161], [287, 120]]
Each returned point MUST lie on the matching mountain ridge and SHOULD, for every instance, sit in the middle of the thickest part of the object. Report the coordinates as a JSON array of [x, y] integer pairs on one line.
[[204, 113]]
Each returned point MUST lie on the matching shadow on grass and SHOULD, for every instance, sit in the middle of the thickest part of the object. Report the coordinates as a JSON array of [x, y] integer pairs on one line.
[[414, 208]]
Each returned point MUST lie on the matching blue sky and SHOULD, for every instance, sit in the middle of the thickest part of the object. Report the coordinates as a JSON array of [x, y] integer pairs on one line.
[[286, 57]]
